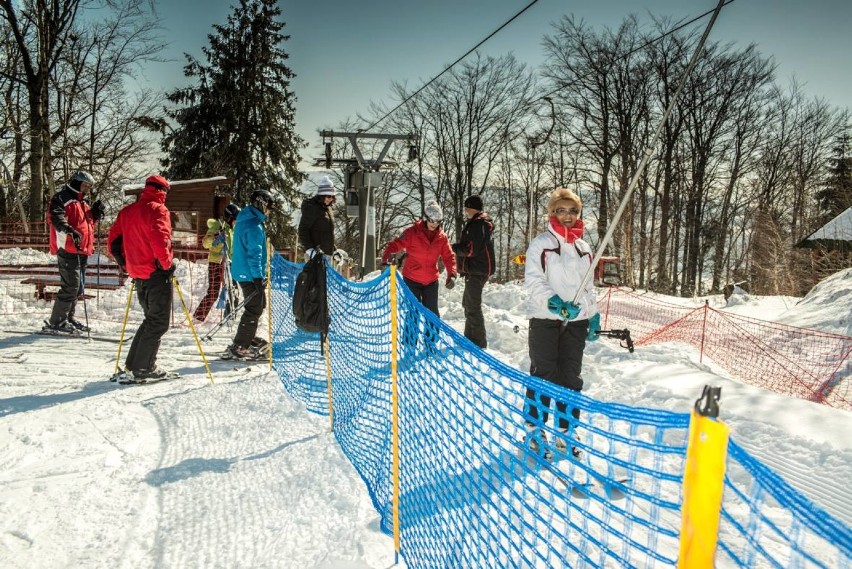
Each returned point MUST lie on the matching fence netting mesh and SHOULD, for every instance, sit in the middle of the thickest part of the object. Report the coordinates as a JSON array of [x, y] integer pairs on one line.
[[473, 493]]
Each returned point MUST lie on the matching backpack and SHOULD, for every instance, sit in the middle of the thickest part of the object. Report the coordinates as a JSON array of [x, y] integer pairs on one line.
[[310, 297]]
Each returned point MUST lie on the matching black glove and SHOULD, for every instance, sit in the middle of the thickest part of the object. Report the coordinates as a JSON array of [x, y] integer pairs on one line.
[[98, 210], [77, 238], [451, 282], [260, 285], [172, 269]]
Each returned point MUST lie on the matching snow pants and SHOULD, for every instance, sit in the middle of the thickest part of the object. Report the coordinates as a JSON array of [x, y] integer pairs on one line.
[[72, 268], [214, 285], [155, 297], [474, 322], [556, 354], [427, 294], [252, 310]]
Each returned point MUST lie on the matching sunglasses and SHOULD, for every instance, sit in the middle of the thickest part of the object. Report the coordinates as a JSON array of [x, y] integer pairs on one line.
[[435, 221], [567, 211]]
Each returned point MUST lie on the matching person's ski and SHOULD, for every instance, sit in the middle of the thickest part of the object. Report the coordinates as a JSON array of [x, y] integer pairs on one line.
[[228, 356], [13, 358], [124, 378], [581, 487], [80, 336], [588, 480]]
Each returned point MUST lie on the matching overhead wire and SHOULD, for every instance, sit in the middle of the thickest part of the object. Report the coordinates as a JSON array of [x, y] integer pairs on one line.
[[450, 66], [648, 43], [554, 91]]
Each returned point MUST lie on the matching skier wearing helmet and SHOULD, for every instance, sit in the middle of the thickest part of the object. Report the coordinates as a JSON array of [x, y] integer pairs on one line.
[[71, 223], [248, 268]]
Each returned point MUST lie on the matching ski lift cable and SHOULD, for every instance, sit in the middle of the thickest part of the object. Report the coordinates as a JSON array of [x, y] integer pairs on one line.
[[547, 95], [637, 49], [450, 66], [649, 149]]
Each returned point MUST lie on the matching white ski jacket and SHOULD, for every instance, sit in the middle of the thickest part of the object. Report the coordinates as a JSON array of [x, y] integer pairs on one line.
[[554, 266]]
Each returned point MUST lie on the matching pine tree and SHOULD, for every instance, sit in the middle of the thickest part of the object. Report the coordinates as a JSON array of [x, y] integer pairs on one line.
[[836, 195], [239, 118]]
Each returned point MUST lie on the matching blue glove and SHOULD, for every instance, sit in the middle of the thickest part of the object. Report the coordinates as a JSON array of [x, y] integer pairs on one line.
[[594, 326], [569, 311], [219, 239], [554, 304]]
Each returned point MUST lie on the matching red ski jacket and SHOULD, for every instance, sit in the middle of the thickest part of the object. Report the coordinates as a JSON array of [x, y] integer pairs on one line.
[[146, 232], [67, 210], [422, 247]]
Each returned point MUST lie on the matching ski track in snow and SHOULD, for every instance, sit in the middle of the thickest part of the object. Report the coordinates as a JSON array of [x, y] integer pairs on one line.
[[166, 503]]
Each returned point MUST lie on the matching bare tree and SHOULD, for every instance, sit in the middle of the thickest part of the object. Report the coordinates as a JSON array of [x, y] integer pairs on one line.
[[72, 72]]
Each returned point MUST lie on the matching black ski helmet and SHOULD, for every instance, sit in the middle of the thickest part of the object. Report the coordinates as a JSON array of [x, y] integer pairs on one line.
[[230, 213], [261, 199], [79, 177]]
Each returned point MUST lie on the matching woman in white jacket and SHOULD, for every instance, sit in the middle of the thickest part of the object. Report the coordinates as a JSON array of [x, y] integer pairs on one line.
[[556, 262]]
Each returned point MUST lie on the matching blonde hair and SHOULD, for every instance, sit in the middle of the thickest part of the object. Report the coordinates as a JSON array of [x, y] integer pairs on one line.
[[562, 194]]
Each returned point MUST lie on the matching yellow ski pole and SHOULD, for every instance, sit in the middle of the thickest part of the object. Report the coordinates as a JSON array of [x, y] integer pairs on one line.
[[191, 327], [123, 327]]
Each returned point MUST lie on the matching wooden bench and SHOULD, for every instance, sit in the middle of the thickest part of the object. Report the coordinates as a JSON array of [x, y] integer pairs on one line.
[[104, 277]]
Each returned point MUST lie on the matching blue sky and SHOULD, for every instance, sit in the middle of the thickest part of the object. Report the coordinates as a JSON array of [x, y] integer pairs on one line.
[[346, 53]]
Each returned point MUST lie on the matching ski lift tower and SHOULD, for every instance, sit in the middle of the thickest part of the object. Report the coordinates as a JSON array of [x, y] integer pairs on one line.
[[361, 177]]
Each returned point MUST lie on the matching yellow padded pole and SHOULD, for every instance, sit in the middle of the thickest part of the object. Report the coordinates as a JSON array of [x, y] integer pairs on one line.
[[703, 485]]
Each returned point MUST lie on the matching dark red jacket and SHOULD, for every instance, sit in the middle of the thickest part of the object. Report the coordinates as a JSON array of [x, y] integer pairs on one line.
[[146, 232], [423, 247], [66, 211]]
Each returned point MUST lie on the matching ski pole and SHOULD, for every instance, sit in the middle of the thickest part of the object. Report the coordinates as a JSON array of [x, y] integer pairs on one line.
[[207, 337], [192, 327], [98, 238], [124, 325], [83, 293]]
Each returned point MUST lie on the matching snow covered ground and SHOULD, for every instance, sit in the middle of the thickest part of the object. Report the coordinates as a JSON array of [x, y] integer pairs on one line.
[[237, 474]]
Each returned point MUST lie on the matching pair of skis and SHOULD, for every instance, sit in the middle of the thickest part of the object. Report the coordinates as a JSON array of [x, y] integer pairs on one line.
[[581, 481]]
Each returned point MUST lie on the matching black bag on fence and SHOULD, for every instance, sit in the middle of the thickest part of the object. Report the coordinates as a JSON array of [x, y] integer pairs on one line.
[[310, 298]]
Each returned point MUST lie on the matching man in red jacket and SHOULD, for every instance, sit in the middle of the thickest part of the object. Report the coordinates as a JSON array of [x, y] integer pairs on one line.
[[140, 240], [71, 225]]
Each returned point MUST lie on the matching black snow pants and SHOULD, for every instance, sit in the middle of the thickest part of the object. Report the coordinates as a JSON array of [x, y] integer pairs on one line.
[[155, 297], [556, 354], [72, 268]]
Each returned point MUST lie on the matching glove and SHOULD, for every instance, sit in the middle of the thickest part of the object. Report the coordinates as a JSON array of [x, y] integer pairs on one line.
[[98, 210], [451, 282], [260, 285], [594, 326], [554, 304], [77, 238], [219, 239], [172, 269], [569, 311]]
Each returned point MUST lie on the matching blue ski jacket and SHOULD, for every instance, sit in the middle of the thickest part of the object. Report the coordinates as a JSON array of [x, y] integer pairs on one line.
[[248, 259]]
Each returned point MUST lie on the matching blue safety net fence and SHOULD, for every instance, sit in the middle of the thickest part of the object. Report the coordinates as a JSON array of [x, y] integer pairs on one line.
[[472, 493]]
